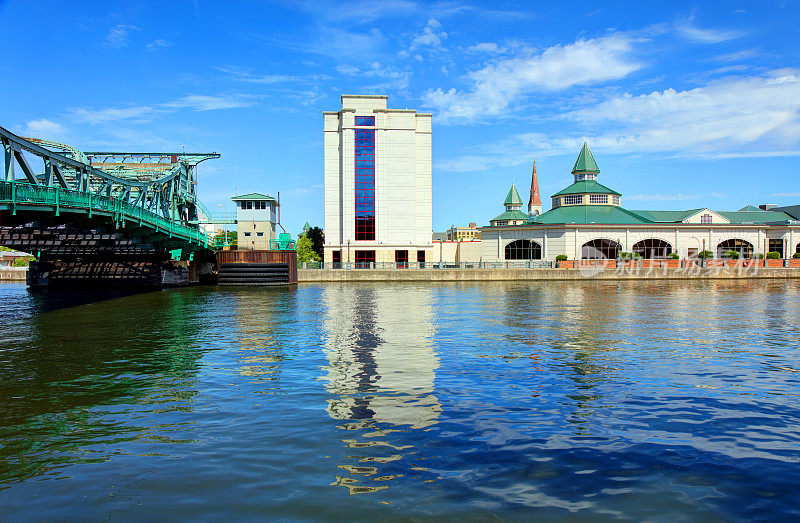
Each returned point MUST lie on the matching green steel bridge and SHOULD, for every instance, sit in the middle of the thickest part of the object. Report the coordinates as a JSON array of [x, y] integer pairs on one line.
[[99, 215]]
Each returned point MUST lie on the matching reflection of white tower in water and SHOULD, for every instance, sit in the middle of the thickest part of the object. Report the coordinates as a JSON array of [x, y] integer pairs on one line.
[[380, 353]]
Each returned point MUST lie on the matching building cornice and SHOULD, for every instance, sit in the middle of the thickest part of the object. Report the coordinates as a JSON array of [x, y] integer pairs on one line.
[[672, 226], [355, 245], [371, 96]]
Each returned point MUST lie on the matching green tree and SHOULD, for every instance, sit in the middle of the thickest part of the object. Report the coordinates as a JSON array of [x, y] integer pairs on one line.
[[305, 251], [23, 261], [317, 237], [219, 239]]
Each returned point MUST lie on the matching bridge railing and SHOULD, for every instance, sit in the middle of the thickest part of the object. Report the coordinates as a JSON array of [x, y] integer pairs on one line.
[[23, 193]]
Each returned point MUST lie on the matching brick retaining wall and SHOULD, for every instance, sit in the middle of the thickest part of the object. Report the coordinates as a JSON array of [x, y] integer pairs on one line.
[[586, 273]]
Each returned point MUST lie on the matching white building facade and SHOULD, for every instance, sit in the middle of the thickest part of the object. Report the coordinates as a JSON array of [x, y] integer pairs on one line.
[[255, 220], [588, 221], [377, 183]]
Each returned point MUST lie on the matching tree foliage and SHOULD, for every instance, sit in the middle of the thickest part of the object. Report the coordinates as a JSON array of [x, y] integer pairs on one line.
[[305, 250], [23, 261], [773, 255], [233, 240], [317, 237]]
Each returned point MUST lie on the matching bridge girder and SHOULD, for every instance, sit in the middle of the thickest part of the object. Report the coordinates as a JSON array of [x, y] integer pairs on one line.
[[166, 188]]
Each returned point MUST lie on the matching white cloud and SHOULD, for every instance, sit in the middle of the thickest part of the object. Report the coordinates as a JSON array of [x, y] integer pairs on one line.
[[347, 69], [340, 43], [786, 194], [486, 47], [111, 114], [119, 35], [159, 43], [43, 128], [719, 117], [300, 191], [736, 56], [357, 10], [689, 30], [430, 37], [504, 82], [244, 75], [144, 113], [756, 116], [200, 102], [662, 197], [392, 77]]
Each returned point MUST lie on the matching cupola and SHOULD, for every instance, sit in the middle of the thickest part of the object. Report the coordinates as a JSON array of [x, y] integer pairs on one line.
[[586, 190]]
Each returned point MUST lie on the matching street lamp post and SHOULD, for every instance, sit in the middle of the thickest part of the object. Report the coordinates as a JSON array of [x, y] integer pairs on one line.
[[703, 254]]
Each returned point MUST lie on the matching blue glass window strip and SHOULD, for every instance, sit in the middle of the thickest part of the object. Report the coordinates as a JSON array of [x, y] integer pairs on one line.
[[365, 180], [365, 120]]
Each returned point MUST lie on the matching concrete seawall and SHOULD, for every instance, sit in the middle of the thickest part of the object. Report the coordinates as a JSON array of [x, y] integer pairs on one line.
[[694, 273], [15, 274]]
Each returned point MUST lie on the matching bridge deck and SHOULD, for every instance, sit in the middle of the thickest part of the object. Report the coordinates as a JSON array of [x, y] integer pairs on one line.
[[15, 196]]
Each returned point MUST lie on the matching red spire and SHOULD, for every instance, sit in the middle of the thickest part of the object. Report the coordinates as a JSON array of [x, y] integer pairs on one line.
[[534, 200]]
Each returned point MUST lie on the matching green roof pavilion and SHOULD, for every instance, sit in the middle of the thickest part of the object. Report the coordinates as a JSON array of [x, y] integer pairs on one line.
[[585, 162], [513, 197]]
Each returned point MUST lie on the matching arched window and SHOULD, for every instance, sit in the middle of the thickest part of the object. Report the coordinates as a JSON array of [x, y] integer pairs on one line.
[[600, 249], [523, 250], [744, 248], [652, 248]]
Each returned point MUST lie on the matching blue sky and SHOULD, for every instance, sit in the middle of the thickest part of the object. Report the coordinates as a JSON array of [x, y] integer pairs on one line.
[[684, 104]]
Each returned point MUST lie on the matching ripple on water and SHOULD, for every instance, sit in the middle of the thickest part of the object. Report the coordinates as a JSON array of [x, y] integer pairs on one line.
[[557, 399]]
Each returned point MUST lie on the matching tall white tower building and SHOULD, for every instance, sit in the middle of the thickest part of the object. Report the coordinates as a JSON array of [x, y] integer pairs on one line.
[[377, 183]]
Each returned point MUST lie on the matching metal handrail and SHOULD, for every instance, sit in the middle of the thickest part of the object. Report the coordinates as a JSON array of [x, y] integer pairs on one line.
[[18, 192]]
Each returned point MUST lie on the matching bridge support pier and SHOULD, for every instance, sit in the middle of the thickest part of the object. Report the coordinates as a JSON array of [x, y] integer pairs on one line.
[[108, 271]]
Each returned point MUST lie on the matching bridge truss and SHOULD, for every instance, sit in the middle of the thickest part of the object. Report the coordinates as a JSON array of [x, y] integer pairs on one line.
[[153, 190]]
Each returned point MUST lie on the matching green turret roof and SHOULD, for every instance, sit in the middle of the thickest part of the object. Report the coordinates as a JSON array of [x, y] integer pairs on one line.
[[253, 196], [510, 216], [513, 197], [585, 161], [586, 186], [588, 214], [306, 227]]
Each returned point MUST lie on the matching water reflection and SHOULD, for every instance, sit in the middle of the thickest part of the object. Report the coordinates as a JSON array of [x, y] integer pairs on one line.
[[579, 400], [259, 320], [60, 399], [380, 375]]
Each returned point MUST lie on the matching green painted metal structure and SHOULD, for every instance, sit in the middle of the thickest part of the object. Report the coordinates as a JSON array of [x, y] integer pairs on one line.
[[147, 191], [284, 242], [16, 196]]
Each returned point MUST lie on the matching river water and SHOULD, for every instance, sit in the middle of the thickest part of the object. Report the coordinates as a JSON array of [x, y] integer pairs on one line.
[[667, 400]]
